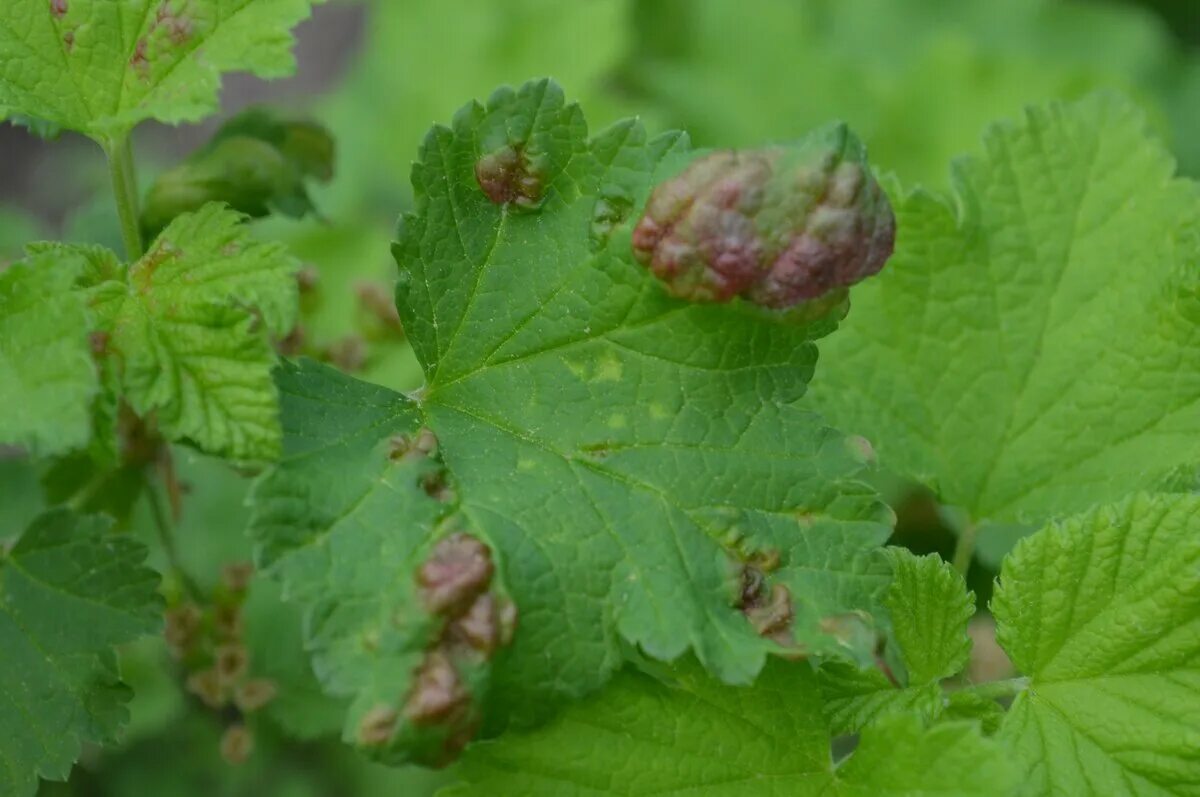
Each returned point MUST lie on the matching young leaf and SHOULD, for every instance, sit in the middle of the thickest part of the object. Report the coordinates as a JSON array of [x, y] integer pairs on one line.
[[68, 594], [1102, 612], [47, 377], [723, 741], [187, 324], [1047, 296], [101, 67], [929, 607], [257, 163], [355, 552]]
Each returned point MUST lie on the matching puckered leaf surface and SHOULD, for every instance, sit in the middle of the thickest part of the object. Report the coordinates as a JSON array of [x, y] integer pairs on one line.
[[102, 66], [929, 607], [187, 324], [690, 735], [1032, 348], [344, 523], [68, 594], [630, 457], [47, 376], [1102, 612]]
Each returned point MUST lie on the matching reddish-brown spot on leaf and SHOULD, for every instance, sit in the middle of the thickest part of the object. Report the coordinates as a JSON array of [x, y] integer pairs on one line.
[[98, 342], [377, 725], [140, 61], [437, 693], [509, 176], [457, 572], [58, 8]]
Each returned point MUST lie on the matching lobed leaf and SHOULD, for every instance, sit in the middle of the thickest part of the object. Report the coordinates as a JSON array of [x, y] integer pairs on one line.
[[100, 67], [187, 324], [68, 594], [929, 606], [1102, 612], [637, 463], [1032, 347]]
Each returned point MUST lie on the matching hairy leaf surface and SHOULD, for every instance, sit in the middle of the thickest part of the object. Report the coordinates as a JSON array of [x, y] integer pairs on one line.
[[723, 741], [1102, 612], [1032, 348], [102, 66], [68, 594]]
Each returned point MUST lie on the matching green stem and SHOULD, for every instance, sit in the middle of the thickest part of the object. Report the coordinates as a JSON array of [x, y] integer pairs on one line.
[[992, 690], [166, 536], [964, 548], [124, 183]]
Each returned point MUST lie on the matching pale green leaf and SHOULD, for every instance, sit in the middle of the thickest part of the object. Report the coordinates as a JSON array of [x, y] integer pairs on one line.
[[687, 734], [188, 323], [1102, 612], [100, 67], [929, 606], [47, 377], [68, 594], [1032, 347]]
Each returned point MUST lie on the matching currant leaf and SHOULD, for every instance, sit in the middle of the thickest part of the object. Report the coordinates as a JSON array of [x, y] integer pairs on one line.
[[68, 594], [1053, 292], [100, 67], [1102, 613]]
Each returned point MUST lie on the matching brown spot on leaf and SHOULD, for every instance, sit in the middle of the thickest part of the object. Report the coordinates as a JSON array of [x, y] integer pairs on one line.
[[402, 446], [457, 572], [768, 607], [69, 40], [483, 627], [437, 486], [509, 176], [437, 693], [58, 8], [139, 61], [377, 725]]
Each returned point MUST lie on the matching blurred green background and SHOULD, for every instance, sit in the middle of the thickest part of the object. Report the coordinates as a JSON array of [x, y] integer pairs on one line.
[[918, 79]]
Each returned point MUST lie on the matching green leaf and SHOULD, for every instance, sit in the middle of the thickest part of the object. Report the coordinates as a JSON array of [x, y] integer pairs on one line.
[[636, 462], [917, 80], [47, 377], [257, 163], [349, 550], [929, 607], [1102, 612], [101, 67], [641, 440], [1049, 295], [68, 594], [188, 325], [723, 741]]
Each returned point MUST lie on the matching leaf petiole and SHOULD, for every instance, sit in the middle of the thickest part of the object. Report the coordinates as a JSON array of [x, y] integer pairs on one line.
[[124, 182]]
